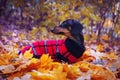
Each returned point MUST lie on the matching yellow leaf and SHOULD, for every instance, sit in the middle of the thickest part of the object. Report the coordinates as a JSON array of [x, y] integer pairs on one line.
[[111, 56], [64, 16], [79, 3], [65, 7], [27, 54], [43, 30], [2, 62], [45, 59], [7, 56], [84, 66], [90, 9], [66, 68], [108, 23], [21, 36], [86, 22], [94, 17], [59, 74], [87, 57], [67, 15], [5, 59], [33, 60], [85, 11], [34, 30], [57, 4], [76, 15], [100, 47], [87, 37], [41, 76], [93, 36], [102, 73], [117, 29], [74, 71]]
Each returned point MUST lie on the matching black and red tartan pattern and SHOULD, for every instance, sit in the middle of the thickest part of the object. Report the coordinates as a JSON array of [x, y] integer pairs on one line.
[[55, 48]]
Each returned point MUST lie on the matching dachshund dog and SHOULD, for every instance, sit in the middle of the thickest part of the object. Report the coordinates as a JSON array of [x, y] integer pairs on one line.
[[68, 50]]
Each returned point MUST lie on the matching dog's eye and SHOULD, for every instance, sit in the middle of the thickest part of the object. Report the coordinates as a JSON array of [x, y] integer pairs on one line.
[[69, 28]]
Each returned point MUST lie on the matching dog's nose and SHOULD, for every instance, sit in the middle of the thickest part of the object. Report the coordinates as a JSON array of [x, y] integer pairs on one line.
[[56, 30], [52, 29]]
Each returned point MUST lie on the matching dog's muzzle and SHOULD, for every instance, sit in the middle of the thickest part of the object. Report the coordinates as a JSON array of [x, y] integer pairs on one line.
[[56, 30], [52, 30]]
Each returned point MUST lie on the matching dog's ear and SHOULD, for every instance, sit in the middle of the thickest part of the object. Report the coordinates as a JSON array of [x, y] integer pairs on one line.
[[76, 28]]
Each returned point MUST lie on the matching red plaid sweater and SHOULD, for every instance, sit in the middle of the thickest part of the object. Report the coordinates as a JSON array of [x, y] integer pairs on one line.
[[55, 48]]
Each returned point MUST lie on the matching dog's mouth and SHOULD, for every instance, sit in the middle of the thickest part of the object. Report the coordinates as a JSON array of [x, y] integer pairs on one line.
[[57, 30]]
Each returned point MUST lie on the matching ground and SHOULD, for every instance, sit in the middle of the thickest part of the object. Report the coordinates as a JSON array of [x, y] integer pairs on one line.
[[99, 62]]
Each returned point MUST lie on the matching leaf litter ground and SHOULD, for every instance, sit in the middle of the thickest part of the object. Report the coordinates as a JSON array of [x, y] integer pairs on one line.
[[99, 62]]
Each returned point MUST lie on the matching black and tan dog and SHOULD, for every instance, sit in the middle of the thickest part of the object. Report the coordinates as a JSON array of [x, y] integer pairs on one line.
[[68, 50]]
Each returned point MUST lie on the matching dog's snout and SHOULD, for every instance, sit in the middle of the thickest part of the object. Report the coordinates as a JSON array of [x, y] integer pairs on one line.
[[57, 30], [52, 29]]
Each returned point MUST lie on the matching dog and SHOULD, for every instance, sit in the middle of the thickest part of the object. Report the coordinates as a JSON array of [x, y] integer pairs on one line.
[[68, 50]]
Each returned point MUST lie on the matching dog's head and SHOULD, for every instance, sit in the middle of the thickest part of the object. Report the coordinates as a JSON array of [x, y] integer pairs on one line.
[[71, 28]]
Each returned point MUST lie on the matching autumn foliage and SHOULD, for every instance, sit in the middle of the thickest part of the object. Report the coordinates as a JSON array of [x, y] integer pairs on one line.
[[26, 21], [26, 67]]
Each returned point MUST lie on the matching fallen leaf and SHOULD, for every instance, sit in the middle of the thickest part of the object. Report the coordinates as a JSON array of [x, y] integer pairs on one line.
[[41, 76], [27, 54], [8, 69]]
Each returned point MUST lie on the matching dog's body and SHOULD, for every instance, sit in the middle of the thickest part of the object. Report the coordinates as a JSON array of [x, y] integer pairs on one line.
[[68, 50]]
